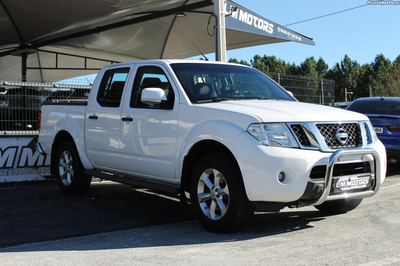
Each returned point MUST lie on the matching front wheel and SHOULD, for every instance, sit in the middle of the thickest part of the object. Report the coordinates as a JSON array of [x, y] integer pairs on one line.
[[338, 206], [69, 170], [217, 194]]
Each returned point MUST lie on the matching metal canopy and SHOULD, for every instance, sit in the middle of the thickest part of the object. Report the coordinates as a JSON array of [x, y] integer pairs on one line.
[[75, 37]]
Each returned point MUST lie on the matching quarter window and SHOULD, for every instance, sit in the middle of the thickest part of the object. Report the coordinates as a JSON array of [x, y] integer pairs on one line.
[[112, 87]]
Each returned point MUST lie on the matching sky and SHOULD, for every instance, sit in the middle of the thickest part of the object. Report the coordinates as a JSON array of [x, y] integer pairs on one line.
[[361, 33]]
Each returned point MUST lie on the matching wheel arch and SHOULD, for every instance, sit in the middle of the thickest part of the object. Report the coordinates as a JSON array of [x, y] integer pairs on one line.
[[61, 137], [197, 151]]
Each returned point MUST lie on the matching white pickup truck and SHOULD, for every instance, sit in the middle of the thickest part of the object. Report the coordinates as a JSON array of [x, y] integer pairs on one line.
[[224, 137]]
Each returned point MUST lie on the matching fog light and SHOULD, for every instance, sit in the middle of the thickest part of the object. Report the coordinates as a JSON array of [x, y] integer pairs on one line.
[[281, 176]]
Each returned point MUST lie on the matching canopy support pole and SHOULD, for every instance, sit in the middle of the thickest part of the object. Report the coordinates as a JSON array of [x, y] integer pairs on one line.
[[24, 57], [220, 35]]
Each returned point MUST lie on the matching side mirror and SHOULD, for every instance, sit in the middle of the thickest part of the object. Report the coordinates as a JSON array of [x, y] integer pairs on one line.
[[291, 94], [153, 96]]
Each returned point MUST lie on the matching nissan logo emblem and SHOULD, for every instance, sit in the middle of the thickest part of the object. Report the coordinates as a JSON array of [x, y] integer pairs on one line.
[[342, 136]]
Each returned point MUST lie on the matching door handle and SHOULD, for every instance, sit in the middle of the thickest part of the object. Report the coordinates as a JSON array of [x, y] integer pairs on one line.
[[127, 119], [93, 117]]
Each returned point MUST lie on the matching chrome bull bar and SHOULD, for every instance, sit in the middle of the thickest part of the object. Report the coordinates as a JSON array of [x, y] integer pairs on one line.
[[375, 166]]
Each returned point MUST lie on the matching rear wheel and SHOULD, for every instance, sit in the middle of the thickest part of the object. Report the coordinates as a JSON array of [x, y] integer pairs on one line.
[[69, 174], [217, 194], [338, 206]]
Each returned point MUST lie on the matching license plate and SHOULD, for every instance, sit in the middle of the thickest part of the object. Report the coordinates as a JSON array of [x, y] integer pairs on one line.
[[353, 182], [378, 130]]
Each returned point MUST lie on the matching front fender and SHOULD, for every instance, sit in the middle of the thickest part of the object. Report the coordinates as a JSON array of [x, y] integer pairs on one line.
[[222, 131]]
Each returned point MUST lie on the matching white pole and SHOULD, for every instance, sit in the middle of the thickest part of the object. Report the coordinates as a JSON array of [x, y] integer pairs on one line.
[[220, 36]]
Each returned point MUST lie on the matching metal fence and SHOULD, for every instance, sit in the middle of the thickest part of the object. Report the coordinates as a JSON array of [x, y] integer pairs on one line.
[[306, 89], [20, 100]]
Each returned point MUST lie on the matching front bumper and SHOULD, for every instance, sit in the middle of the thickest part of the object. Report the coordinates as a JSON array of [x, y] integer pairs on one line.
[[260, 167], [367, 154]]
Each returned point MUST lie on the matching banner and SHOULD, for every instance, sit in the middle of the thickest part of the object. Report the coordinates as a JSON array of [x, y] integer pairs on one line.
[[245, 20], [19, 160]]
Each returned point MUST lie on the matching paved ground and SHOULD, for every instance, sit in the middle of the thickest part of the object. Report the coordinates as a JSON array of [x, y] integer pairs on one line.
[[40, 212], [113, 224]]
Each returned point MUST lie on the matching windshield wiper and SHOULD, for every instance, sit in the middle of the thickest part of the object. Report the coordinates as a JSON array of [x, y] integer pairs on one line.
[[215, 100], [269, 98]]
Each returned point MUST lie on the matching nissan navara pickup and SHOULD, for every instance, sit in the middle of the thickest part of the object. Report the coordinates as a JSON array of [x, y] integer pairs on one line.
[[224, 137]]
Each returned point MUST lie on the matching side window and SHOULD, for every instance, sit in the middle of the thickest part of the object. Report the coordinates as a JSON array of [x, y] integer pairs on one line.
[[151, 77], [112, 87]]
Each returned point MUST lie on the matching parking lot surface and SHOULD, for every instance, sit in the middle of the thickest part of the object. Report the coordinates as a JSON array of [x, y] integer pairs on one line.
[[115, 225], [38, 212]]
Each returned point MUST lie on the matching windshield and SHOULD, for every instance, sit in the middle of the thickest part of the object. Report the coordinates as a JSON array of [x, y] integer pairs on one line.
[[216, 82], [376, 107]]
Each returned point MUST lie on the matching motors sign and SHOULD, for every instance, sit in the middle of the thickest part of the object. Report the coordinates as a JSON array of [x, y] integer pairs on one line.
[[253, 20], [19, 161], [241, 19]]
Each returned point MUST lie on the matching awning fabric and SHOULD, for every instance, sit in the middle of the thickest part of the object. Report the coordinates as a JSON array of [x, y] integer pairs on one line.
[[75, 37]]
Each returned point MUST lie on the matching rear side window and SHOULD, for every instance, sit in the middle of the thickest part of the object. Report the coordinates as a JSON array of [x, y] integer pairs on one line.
[[112, 87], [376, 107]]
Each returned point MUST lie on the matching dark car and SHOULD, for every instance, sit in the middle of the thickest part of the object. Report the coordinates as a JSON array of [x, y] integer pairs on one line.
[[5, 113], [24, 104], [384, 114]]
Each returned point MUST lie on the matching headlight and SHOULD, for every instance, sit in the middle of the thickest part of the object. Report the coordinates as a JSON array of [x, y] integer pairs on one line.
[[272, 134]]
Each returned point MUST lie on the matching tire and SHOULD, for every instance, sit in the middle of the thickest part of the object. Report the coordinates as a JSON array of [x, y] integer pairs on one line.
[[217, 194], [69, 170], [338, 206]]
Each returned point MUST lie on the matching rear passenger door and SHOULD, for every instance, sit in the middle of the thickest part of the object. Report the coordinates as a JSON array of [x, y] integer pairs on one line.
[[103, 118]]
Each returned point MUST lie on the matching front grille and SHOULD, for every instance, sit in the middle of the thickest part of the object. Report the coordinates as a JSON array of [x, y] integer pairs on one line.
[[319, 171], [301, 135], [328, 136], [328, 132], [317, 175], [367, 133]]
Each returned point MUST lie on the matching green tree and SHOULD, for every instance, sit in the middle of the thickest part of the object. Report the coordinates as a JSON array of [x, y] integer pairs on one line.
[[381, 76], [234, 60], [396, 62], [393, 84], [293, 69], [365, 80], [309, 68], [382, 72], [351, 70], [322, 68], [345, 75], [268, 64], [337, 75]]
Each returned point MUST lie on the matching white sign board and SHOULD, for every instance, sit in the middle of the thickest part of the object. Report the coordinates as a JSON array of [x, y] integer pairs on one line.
[[19, 160]]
